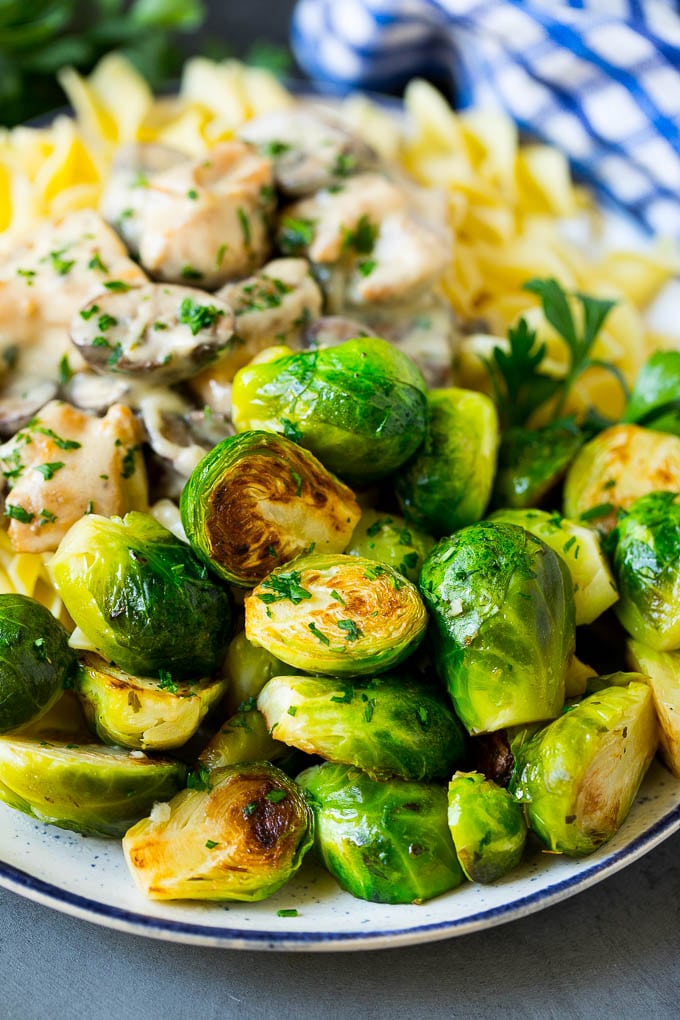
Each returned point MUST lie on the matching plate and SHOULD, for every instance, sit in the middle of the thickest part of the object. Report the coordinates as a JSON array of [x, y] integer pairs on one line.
[[88, 878]]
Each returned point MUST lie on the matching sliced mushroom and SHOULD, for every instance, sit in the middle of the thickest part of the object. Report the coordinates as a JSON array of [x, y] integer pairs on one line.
[[21, 399], [176, 433], [207, 221], [309, 147], [162, 332], [92, 392], [125, 193]]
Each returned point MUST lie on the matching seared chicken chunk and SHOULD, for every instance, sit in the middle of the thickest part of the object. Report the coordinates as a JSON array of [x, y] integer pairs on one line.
[[272, 307], [65, 464], [309, 147], [207, 221], [377, 235], [159, 332]]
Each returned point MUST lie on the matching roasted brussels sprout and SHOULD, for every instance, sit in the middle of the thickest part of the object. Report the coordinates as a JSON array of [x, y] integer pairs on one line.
[[96, 790], [647, 566], [387, 538], [257, 500], [655, 400], [341, 615], [360, 406], [579, 547], [244, 736], [503, 612], [247, 669], [487, 826], [532, 461], [36, 662], [386, 842], [239, 833], [390, 725], [616, 468], [577, 778], [448, 482], [142, 597], [143, 712], [662, 673]]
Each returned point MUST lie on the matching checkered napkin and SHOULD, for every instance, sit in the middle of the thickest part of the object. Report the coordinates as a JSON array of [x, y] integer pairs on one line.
[[598, 78]]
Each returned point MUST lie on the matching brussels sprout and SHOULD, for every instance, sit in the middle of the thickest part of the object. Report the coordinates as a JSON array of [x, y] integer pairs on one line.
[[142, 597], [36, 662], [532, 461], [387, 538], [487, 826], [142, 712], [579, 547], [341, 615], [360, 406], [96, 790], [238, 834], [647, 566], [662, 671], [387, 726], [247, 669], [386, 842], [620, 678], [243, 737], [616, 468], [448, 483], [578, 777], [257, 500], [503, 611], [655, 400]]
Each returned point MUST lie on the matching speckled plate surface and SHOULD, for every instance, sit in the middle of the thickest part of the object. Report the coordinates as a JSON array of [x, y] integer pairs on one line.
[[88, 878]]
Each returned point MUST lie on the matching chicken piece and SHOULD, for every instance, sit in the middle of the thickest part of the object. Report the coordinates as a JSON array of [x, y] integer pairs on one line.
[[65, 464], [125, 193], [160, 333], [207, 221], [272, 307], [378, 235], [309, 147]]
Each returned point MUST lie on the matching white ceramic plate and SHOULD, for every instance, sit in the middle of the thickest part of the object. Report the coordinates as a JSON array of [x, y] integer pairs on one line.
[[88, 877]]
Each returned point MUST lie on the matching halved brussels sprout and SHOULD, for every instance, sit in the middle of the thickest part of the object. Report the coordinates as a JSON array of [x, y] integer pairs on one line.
[[142, 597], [142, 712], [385, 842], [258, 500], [239, 834], [244, 736], [390, 725], [448, 483], [577, 778], [487, 826], [616, 468], [247, 669], [503, 612], [655, 400], [579, 547], [662, 673], [341, 615], [647, 566], [36, 662], [96, 790], [360, 406], [388, 538], [531, 462]]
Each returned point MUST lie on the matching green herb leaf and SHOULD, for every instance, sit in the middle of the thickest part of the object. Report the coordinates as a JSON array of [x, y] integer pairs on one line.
[[197, 316]]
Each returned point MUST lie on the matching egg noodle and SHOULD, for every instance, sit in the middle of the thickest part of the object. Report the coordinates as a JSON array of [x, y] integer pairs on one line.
[[507, 204]]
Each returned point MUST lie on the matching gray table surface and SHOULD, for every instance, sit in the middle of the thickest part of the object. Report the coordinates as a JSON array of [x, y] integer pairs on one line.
[[612, 951]]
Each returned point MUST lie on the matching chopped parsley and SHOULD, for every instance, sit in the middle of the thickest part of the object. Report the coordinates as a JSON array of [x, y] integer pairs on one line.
[[349, 626], [65, 370], [596, 512], [87, 313], [100, 341], [245, 226], [319, 635], [17, 513], [366, 266], [115, 356], [129, 465], [290, 430], [295, 235], [276, 796], [345, 164], [377, 526], [198, 317], [165, 681], [48, 471], [362, 239], [63, 444], [192, 194], [106, 322], [47, 517], [423, 717], [89, 509], [61, 265], [292, 710], [199, 779], [141, 180], [275, 148], [373, 573], [96, 263], [250, 809], [257, 297], [210, 844], [298, 481], [221, 252], [27, 274], [118, 286], [338, 597], [284, 588], [189, 273], [369, 709], [287, 912]]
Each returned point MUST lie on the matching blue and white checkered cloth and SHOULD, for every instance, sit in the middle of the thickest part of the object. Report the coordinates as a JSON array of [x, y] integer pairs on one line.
[[598, 78]]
